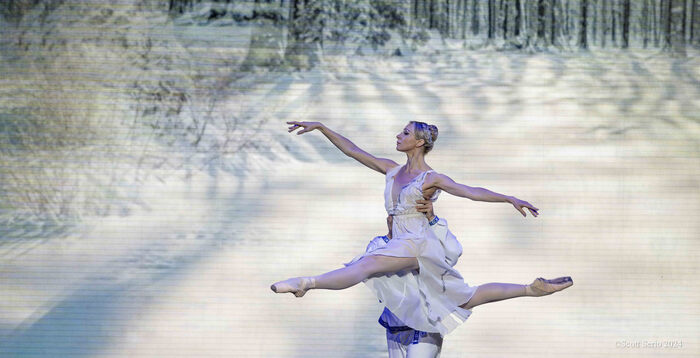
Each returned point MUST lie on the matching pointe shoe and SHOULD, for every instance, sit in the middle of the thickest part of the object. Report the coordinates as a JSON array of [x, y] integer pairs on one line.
[[298, 285], [542, 287]]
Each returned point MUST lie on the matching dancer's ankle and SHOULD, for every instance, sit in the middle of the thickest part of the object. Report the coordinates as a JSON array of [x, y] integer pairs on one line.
[[528, 291], [310, 282]]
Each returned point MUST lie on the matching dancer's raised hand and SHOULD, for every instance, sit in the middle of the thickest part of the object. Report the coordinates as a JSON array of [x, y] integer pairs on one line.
[[308, 126], [520, 204]]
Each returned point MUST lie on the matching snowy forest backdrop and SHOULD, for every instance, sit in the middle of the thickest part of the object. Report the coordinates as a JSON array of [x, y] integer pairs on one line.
[[149, 191]]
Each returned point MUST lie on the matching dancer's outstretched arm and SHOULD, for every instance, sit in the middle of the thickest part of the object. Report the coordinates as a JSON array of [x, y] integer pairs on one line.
[[349, 148], [443, 182]]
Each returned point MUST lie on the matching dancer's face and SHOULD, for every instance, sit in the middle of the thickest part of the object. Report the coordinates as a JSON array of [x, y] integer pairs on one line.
[[406, 140]]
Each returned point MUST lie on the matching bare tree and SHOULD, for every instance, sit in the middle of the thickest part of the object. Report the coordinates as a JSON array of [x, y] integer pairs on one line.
[[695, 23], [583, 30], [675, 25], [625, 23], [533, 24]]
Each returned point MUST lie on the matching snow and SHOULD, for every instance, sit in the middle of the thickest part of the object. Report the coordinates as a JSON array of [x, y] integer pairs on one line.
[[605, 144]]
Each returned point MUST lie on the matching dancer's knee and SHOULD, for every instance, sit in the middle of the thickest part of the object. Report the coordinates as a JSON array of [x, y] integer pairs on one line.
[[468, 305], [474, 300], [378, 264], [370, 265]]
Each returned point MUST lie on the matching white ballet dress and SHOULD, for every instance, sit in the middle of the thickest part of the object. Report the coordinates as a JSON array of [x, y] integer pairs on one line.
[[427, 299]]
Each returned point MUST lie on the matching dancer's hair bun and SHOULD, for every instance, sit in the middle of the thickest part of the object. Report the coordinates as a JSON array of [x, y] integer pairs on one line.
[[433, 132], [426, 132]]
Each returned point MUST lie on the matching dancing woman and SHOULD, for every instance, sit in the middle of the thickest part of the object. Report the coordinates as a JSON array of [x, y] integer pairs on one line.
[[410, 274]]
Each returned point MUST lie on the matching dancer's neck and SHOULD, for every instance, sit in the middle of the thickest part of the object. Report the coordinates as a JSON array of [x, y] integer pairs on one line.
[[415, 161]]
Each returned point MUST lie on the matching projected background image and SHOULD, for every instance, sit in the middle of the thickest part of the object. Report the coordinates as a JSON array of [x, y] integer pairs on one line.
[[151, 193]]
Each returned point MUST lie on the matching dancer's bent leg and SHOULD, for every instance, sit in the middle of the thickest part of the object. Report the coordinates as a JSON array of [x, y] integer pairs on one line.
[[367, 266], [496, 291], [348, 276]]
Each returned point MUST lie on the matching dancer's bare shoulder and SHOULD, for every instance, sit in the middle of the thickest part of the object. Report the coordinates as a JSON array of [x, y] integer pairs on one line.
[[446, 184], [382, 165], [386, 165], [429, 183], [435, 180]]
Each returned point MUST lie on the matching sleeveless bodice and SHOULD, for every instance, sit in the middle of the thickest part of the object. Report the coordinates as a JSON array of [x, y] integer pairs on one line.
[[406, 202]]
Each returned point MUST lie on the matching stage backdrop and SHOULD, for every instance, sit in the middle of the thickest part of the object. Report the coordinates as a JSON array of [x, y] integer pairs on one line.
[[151, 193]]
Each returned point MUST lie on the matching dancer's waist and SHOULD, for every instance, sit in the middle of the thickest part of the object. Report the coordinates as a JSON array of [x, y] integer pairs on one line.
[[408, 215]]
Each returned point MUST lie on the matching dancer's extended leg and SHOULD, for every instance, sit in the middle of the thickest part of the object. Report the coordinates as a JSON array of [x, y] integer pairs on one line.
[[347, 276], [368, 266], [496, 291]]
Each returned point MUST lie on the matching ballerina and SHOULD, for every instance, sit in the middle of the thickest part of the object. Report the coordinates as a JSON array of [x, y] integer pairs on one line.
[[410, 274]]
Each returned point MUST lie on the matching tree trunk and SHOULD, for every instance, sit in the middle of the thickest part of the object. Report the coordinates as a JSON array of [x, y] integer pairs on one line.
[[491, 18], [499, 25], [592, 4], [448, 18], [666, 24], [530, 23], [695, 22], [567, 21], [552, 22], [655, 24], [676, 27], [605, 24], [464, 19], [614, 22], [625, 23], [541, 22], [583, 30], [508, 26], [475, 17], [518, 18], [645, 23]]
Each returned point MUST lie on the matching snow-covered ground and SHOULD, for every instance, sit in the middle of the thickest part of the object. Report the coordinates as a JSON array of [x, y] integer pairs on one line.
[[605, 144]]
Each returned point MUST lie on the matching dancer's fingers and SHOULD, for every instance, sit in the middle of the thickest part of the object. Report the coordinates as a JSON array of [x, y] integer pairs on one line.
[[424, 206], [293, 127]]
